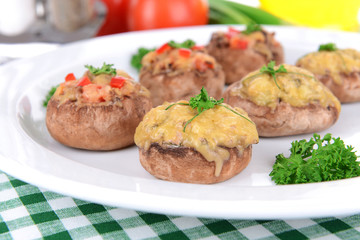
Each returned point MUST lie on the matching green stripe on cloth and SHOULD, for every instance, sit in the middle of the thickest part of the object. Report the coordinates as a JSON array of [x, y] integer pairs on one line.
[[27, 212], [334, 225]]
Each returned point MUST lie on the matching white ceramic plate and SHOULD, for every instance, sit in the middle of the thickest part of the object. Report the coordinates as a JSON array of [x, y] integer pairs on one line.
[[116, 178]]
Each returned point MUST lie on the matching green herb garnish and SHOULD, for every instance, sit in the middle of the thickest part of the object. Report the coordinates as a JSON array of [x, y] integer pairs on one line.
[[186, 44], [204, 102], [251, 27], [105, 69], [49, 95], [136, 58], [270, 70], [328, 47], [314, 161]]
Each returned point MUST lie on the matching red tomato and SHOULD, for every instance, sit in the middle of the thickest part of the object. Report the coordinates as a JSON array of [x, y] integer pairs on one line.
[[150, 14], [115, 21]]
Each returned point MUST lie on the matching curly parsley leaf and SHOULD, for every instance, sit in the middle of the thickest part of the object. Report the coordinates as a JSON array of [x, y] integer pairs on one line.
[[186, 44], [49, 95], [330, 47], [316, 160], [136, 58], [204, 102], [270, 70], [105, 69], [251, 27]]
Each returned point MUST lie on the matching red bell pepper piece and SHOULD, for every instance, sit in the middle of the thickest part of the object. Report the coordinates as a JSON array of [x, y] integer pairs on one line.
[[239, 43], [209, 65], [196, 47], [117, 82], [163, 48], [232, 32], [202, 65], [184, 52], [84, 81], [242, 44], [70, 77]]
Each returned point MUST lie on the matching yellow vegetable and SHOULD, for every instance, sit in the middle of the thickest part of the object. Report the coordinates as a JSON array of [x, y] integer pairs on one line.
[[330, 14]]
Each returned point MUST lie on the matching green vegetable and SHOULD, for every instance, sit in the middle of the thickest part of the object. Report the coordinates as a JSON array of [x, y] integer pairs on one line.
[[270, 70], [49, 95], [204, 102], [251, 27], [186, 44], [105, 69], [328, 47], [314, 161], [230, 12], [136, 58]]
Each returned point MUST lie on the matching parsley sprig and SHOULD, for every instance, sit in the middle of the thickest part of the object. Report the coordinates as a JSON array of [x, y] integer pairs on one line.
[[204, 102], [186, 44], [316, 160], [330, 47], [137, 57], [105, 69], [49, 95], [270, 70], [251, 27]]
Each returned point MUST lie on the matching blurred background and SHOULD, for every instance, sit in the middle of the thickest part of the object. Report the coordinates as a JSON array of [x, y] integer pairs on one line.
[[51, 22]]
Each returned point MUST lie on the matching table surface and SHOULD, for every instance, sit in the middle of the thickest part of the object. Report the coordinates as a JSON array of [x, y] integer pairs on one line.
[[29, 212]]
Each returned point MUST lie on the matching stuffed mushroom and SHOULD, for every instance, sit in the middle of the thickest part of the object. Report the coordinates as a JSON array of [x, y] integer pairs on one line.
[[176, 72], [338, 69], [99, 111], [284, 100], [241, 52], [185, 142]]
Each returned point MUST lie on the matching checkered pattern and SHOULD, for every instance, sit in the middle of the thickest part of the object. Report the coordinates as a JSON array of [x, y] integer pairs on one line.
[[27, 212]]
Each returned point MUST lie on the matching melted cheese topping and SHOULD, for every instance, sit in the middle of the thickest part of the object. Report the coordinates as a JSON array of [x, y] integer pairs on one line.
[[172, 63], [298, 87], [99, 91], [210, 133], [332, 63]]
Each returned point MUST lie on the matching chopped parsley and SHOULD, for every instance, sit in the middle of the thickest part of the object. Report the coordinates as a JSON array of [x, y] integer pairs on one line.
[[330, 47], [270, 70], [316, 160], [136, 58], [186, 44], [251, 27], [105, 69]]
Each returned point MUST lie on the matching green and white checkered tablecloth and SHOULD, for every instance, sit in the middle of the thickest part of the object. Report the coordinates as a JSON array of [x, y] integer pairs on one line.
[[27, 212]]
